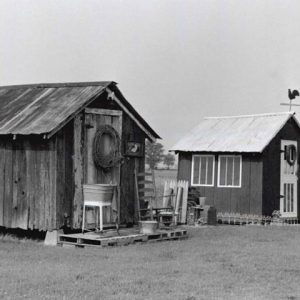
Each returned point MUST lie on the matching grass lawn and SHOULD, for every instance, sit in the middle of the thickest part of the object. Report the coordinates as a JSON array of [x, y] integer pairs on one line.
[[223, 262]]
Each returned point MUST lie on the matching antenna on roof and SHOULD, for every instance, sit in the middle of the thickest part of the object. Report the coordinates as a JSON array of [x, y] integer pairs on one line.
[[292, 95]]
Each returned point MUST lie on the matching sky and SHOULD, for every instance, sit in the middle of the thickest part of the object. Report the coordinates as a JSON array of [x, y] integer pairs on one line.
[[175, 61]]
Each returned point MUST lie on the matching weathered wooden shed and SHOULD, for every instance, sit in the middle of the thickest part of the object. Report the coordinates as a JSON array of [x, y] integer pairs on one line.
[[46, 140], [244, 164]]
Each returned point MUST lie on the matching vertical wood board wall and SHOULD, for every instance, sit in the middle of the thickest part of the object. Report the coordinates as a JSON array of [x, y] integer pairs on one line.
[[41, 180], [247, 199]]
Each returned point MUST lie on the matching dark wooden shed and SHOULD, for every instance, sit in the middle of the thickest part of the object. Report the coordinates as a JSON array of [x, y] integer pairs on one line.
[[244, 164], [46, 139]]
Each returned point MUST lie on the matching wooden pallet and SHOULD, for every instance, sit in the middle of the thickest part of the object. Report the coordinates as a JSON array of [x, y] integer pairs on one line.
[[101, 240]]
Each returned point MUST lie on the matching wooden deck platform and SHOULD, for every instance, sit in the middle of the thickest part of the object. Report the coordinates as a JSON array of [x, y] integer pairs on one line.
[[125, 237]]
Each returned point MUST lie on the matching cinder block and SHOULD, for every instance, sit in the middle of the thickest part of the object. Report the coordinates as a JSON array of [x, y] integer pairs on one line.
[[51, 238]]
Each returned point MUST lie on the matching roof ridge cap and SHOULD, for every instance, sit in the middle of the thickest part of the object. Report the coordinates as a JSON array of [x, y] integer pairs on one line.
[[291, 113], [59, 84]]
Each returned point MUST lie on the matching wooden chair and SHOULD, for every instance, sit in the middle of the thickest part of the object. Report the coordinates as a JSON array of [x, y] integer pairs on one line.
[[146, 195], [168, 214]]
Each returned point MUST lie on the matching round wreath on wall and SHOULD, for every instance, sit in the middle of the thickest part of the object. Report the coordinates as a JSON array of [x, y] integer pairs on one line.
[[113, 157]]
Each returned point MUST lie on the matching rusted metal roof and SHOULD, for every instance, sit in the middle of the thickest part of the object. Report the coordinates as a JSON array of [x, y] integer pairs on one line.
[[250, 133], [42, 108]]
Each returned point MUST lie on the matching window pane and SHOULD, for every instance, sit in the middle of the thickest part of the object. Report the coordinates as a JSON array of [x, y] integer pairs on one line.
[[196, 170], [288, 197], [203, 161], [292, 198], [285, 197], [237, 170], [222, 170], [210, 170], [229, 170]]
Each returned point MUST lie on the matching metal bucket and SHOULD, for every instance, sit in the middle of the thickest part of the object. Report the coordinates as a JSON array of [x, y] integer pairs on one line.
[[98, 192], [148, 227], [202, 201]]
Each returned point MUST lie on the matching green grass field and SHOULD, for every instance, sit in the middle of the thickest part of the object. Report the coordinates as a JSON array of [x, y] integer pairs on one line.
[[223, 262]]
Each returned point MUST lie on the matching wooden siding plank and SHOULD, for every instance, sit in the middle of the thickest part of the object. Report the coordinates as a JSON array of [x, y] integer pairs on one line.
[[8, 185], [41, 199], [78, 171], [2, 181], [53, 174], [60, 178], [256, 186], [47, 190], [37, 187], [90, 133], [22, 207], [15, 166], [30, 182], [245, 191], [69, 175]]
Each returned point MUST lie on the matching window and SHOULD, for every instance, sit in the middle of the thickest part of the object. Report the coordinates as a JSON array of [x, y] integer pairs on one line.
[[203, 170], [230, 171]]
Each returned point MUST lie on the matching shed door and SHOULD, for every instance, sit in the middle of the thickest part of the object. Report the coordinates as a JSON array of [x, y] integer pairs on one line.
[[94, 119], [288, 179]]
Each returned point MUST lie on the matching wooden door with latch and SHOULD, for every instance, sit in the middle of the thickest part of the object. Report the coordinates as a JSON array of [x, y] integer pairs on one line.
[[95, 119], [288, 179]]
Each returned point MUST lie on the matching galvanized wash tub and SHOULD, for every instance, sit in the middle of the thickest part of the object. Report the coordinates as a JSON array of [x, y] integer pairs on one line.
[[99, 192], [148, 227]]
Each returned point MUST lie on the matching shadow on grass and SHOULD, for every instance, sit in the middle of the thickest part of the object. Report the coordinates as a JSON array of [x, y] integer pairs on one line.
[[7, 234]]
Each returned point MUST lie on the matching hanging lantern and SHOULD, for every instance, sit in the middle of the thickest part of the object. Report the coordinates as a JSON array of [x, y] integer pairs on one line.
[[290, 154]]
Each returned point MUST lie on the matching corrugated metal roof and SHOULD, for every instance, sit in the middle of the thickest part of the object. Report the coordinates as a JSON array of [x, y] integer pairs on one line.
[[42, 108], [251, 133]]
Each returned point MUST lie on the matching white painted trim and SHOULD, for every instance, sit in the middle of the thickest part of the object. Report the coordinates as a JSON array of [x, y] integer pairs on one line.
[[113, 96], [241, 166], [213, 170], [288, 179]]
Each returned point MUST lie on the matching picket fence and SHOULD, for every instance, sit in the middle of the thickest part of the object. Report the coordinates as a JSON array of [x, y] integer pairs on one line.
[[177, 193], [245, 219]]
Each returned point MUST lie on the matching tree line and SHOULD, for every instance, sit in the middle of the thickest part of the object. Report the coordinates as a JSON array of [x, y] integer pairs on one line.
[[155, 154]]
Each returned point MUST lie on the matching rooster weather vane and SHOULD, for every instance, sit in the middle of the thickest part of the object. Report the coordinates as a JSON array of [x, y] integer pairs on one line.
[[292, 95]]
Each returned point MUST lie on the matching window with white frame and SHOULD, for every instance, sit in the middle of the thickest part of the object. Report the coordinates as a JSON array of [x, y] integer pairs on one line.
[[230, 171], [203, 170]]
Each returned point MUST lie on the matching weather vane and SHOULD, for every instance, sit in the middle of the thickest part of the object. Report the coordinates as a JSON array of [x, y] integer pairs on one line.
[[292, 96]]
